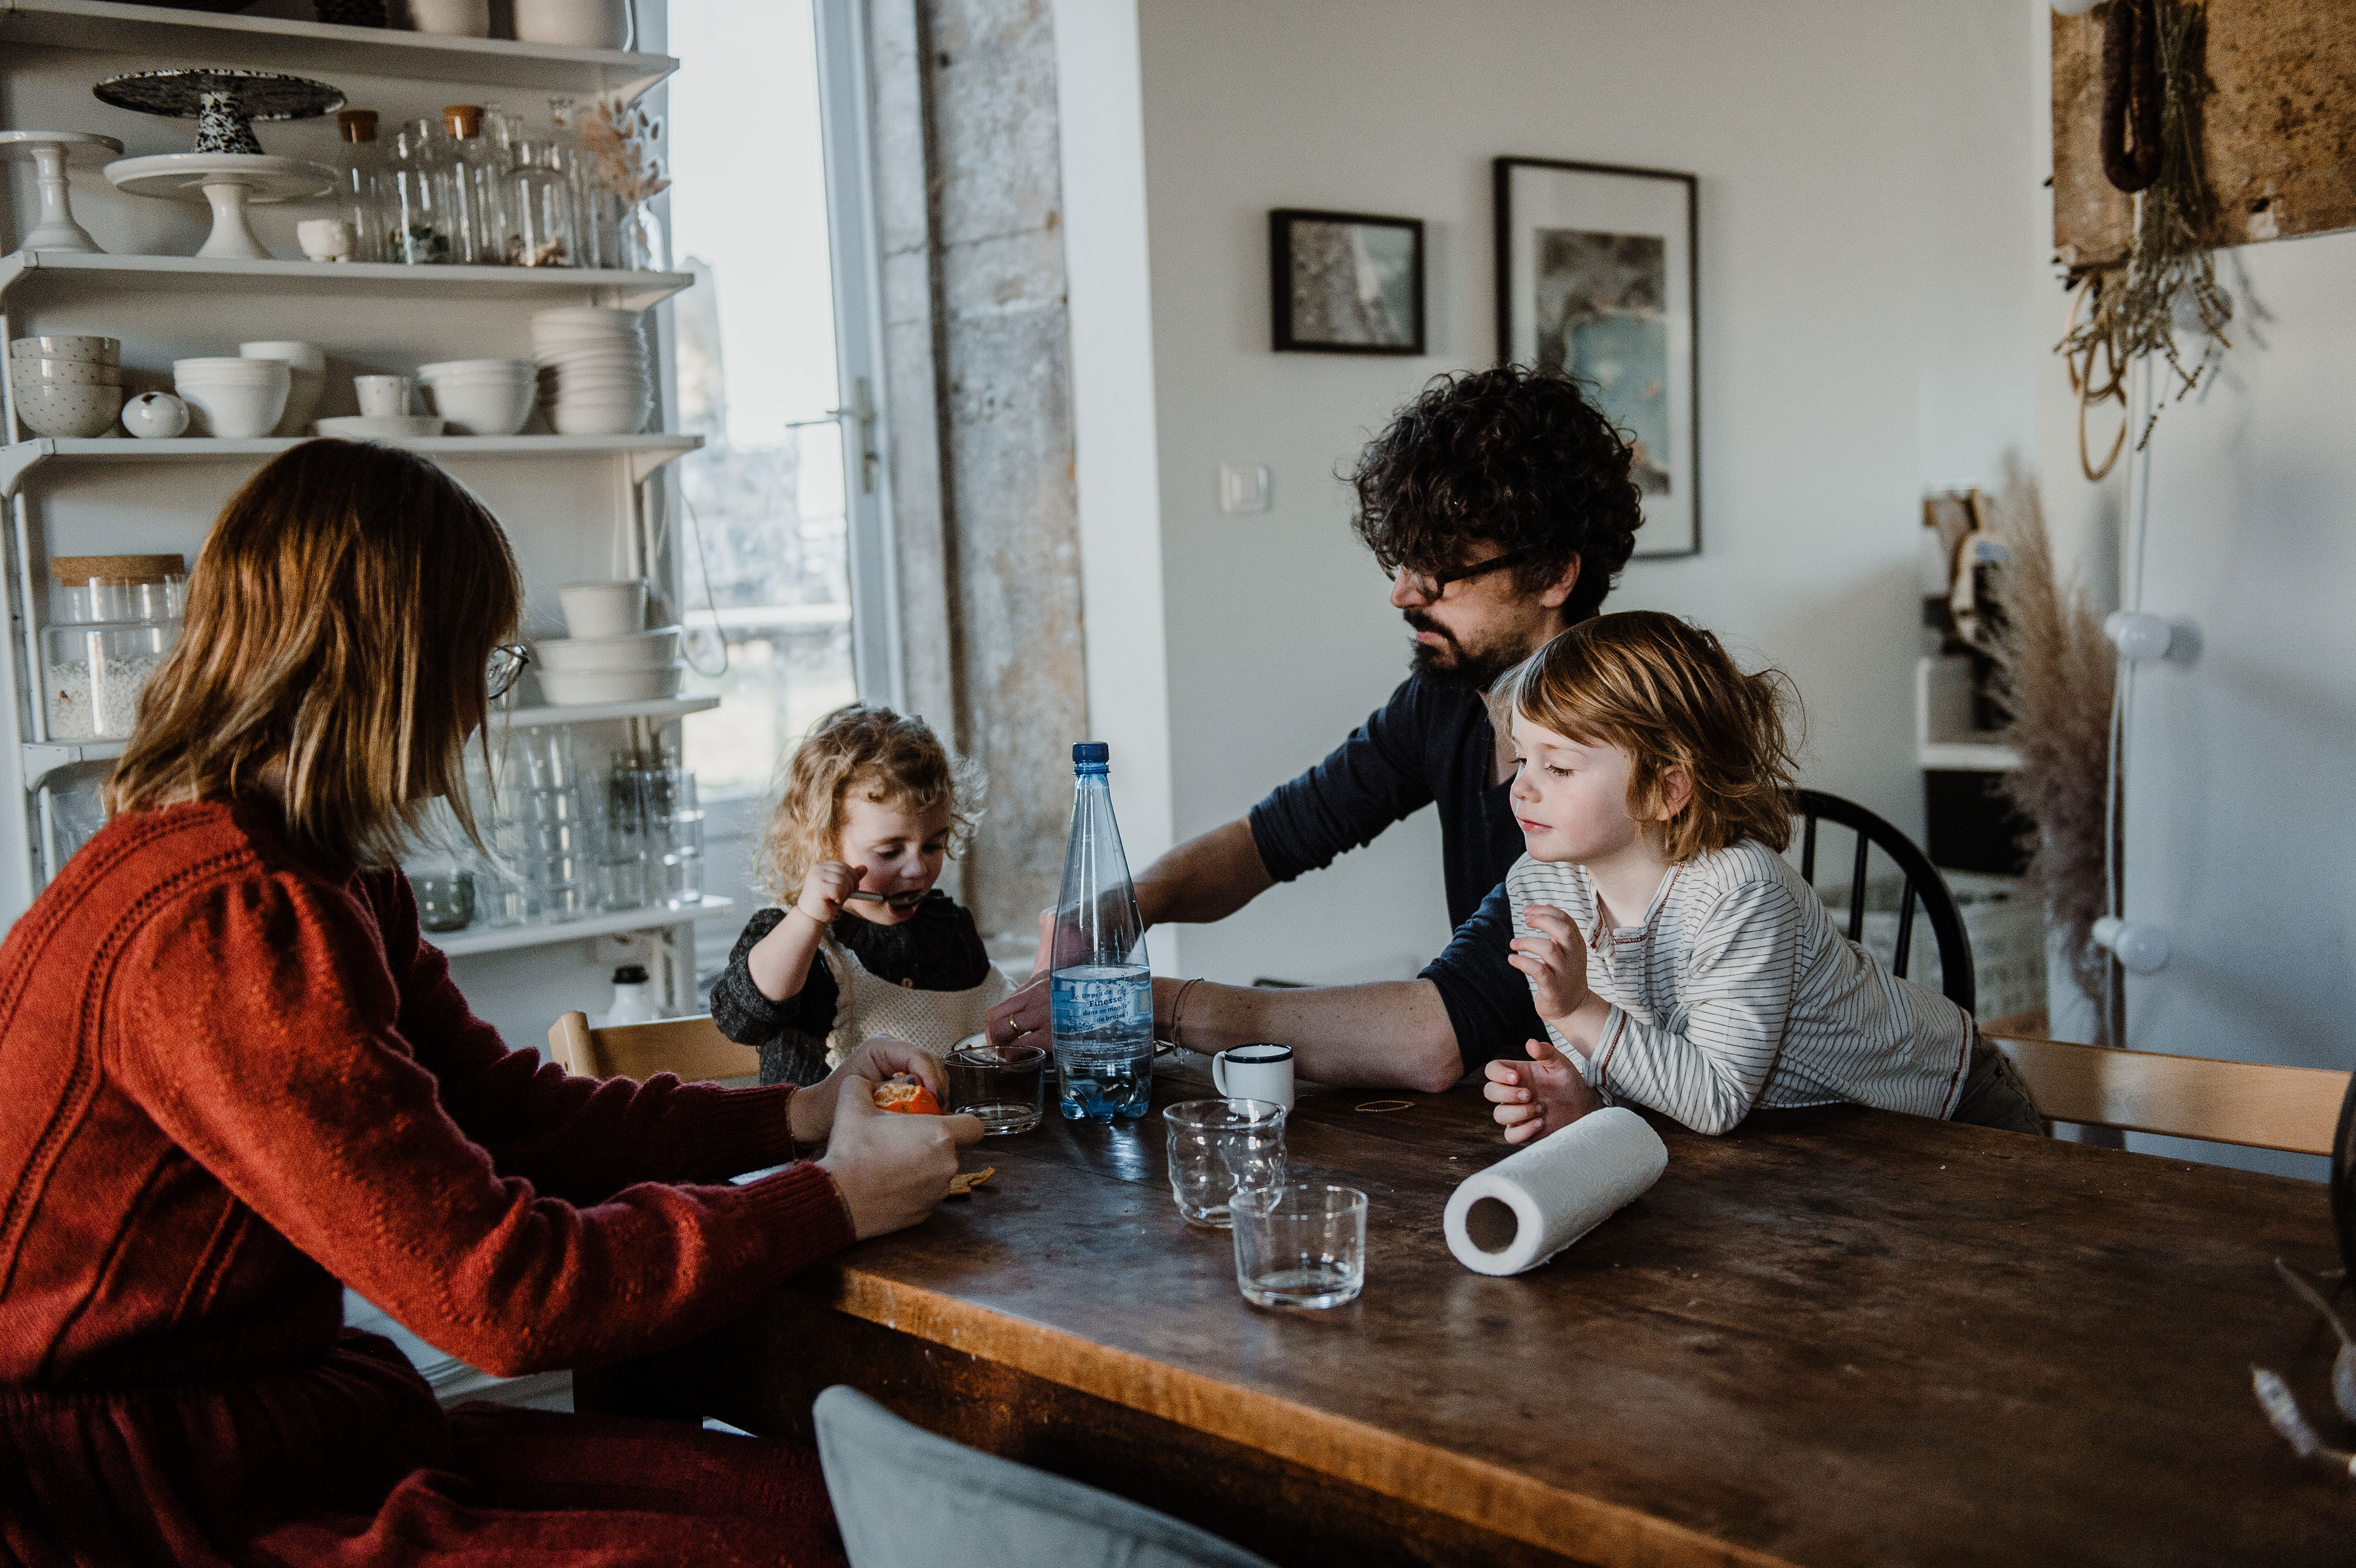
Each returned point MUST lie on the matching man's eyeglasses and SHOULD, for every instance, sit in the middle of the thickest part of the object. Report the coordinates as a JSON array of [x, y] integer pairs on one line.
[[506, 668], [1430, 586]]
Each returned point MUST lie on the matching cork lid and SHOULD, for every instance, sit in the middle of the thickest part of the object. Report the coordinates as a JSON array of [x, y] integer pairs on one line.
[[116, 568], [359, 125], [464, 119]]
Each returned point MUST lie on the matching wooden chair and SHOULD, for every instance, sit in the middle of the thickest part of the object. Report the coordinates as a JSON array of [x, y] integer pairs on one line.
[[2264, 1107], [694, 1048], [1923, 883]]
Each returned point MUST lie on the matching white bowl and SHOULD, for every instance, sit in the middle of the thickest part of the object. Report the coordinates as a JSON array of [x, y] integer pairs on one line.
[[75, 410], [302, 356], [76, 372], [598, 421], [232, 372], [571, 691], [452, 18], [380, 426], [443, 370], [594, 655], [616, 608], [482, 409], [234, 407], [579, 24], [88, 349]]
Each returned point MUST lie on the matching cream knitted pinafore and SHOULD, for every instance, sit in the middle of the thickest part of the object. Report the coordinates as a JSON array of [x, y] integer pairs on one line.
[[935, 1021]]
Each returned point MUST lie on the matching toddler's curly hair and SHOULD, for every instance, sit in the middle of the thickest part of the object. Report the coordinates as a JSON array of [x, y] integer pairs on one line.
[[1667, 694], [888, 758]]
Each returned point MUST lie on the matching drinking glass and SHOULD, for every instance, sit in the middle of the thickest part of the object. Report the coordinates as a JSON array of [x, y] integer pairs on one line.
[[1003, 1085], [1219, 1150], [1302, 1245], [445, 898]]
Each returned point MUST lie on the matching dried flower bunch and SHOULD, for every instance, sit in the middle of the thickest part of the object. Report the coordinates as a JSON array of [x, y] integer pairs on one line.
[[620, 143], [2056, 673], [2170, 269]]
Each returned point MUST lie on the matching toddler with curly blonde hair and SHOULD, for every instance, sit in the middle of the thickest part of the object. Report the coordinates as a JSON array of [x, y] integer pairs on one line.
[[860, 942]]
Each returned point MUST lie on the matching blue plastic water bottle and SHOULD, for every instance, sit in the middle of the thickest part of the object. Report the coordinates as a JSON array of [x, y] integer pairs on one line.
[[1101, 986]]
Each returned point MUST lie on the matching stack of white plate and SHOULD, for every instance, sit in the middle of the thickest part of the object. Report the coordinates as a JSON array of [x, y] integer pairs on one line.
[[594, 375], [635, 667], [481, 397]]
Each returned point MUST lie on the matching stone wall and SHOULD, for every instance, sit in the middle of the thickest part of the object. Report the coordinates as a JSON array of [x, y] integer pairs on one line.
[[979, 419]]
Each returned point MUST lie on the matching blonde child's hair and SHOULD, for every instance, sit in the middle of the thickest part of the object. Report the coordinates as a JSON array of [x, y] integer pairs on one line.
[[888, 759], [1666, 692]]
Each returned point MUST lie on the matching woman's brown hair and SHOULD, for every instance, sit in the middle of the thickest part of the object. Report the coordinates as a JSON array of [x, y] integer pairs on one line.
[[340, 620], [892, 760], [1666, 692]]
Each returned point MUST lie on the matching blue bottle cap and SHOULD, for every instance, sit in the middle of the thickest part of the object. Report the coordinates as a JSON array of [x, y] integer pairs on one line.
[[1094, 752]]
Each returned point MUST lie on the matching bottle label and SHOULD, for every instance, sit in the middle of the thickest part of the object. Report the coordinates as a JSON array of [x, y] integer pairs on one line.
[[1101, 999]]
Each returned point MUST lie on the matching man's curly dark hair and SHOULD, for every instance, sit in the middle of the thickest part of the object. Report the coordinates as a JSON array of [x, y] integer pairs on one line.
[[1516, 457]]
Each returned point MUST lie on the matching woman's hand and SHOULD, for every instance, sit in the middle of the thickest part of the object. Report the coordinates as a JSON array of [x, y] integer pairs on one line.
[[825, 889], [1542, 1095], [891, 1170], [811, 1112], [1555, 958]]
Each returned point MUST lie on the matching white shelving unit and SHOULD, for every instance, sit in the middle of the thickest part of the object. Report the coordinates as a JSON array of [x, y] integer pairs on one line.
[[575, 507]]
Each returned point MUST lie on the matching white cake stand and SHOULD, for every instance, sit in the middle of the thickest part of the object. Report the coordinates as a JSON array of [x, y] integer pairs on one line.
[[231, 182], [49, 152]]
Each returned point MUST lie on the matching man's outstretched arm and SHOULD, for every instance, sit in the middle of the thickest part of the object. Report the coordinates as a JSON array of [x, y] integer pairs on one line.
[[1392, 1034], [1208, 877]]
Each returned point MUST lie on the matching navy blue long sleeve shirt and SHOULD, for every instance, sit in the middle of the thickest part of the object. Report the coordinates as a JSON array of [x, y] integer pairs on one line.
[[1429, 744]]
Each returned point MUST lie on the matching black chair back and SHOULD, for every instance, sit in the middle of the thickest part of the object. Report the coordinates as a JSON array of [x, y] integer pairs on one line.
[[1923, 885]]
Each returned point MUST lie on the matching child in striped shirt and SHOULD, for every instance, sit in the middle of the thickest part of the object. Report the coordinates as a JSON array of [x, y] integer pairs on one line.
[[1676, 958]]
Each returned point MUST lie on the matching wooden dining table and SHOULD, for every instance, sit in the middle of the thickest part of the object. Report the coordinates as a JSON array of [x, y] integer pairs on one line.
[[1831, 1336]]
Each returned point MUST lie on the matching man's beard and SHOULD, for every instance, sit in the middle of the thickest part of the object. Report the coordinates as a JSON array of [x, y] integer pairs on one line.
[[1450, 663]]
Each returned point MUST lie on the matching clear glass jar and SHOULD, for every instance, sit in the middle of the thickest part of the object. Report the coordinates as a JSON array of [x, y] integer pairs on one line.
[[360, 182], [477, 182], [85, 589], [92, 673], [593, 246], [418, 209], [541, 207]]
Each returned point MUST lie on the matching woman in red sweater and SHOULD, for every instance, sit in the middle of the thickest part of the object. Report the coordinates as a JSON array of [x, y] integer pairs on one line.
[[236, 1079]]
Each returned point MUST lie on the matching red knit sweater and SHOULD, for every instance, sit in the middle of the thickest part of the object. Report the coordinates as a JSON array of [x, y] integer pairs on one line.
[[232, 1084]]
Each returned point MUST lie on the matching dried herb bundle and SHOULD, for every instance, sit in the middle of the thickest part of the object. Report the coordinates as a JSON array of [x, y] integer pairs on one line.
[[2055, 674], [2170, 269], [619, 142]]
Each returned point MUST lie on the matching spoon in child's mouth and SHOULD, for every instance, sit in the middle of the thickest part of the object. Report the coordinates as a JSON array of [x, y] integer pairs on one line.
[[901, 901]]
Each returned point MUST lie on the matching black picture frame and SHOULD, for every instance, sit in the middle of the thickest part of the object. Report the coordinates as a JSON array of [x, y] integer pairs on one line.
[[1600, 215], [1314, 332]]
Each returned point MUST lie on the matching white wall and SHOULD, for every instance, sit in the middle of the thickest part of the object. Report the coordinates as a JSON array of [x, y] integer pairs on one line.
[[1869, 222]]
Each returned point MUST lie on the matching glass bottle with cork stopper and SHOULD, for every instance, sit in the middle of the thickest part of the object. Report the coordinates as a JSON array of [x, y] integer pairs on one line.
[[361, 183], [111, 620], [418, 208], [477, 183]]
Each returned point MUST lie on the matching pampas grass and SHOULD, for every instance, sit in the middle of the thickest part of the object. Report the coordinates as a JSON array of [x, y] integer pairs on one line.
[[2055, 672]]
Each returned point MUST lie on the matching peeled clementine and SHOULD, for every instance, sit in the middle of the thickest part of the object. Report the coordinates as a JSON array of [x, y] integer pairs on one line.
[[906, 1094]]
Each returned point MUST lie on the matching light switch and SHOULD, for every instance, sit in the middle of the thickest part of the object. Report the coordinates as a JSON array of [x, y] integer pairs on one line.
[[1243, 486]]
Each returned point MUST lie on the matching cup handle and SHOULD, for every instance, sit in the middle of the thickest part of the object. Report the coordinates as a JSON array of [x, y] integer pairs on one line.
[[1219, 1073]]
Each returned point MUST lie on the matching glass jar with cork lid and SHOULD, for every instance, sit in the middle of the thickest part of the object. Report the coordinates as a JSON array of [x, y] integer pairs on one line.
[[111, 620]]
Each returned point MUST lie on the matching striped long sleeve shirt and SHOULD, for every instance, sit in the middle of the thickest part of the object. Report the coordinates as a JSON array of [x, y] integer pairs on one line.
[[1736, 989]]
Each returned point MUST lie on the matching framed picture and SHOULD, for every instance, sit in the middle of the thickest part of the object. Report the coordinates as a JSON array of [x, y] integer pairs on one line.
[[1596, 277], [1346, 282]]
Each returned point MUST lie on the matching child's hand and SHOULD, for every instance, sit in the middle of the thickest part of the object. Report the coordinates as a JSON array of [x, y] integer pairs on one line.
[[1555, 958], [1539, 1096], [829, 883]]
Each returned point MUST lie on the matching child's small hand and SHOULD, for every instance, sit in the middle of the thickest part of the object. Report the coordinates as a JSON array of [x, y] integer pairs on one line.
[[1539, 1096], [829, 883], [1555, 958]]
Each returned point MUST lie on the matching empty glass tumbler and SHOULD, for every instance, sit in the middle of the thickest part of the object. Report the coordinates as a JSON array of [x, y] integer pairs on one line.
[[1220, 1150], [1302, 1245], [1005, 1086]]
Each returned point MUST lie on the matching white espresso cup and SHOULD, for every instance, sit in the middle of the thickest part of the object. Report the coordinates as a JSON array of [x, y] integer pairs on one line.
[[1262, 1071], [383, 396]]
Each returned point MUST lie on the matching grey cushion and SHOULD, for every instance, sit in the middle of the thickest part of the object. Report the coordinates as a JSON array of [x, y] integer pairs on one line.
[[907, 1499]]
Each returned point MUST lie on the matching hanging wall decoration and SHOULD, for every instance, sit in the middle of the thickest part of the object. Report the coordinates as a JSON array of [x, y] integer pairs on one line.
[[1345, 282], [1596, 277]]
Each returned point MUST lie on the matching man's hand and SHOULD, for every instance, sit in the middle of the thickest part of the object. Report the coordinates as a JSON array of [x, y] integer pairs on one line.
[[1555, 958], [812, 1111], [892, 1170], [1539, 1096]]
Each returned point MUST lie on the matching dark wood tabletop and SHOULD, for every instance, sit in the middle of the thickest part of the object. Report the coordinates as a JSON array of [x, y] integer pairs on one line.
[[1836, 1336]]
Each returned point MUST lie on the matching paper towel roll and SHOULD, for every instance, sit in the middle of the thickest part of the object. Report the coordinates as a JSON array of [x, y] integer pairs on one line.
[[1529, 1206]]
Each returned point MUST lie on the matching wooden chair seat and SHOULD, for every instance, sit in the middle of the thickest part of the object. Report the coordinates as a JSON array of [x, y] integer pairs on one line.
[[2252, 1103], [694, 1048]]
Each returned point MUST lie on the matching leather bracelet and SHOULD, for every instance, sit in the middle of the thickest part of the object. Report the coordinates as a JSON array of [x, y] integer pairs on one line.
[[1177, 1008]]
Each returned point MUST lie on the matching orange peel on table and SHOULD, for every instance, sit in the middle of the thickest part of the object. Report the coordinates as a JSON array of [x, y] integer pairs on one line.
[[904, 1093], [962, 1184]]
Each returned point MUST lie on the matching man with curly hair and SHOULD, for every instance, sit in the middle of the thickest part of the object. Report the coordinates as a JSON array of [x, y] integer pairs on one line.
[[1501, 504]]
